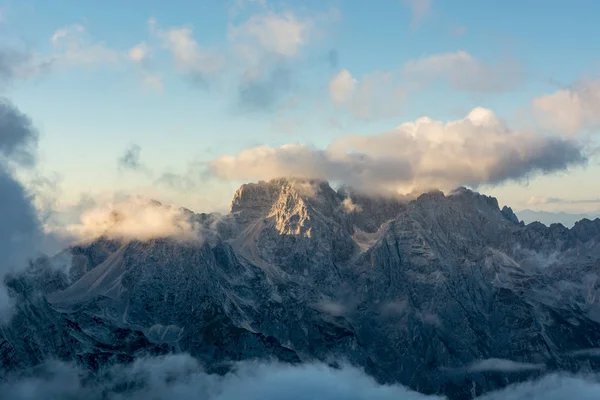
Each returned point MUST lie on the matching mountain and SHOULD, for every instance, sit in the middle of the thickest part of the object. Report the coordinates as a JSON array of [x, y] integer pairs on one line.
[[444, 293], [549, 218]]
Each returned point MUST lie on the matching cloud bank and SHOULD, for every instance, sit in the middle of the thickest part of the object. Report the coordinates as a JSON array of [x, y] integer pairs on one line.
[[181, 377], [130, 218], [20, 230], [478, 149]]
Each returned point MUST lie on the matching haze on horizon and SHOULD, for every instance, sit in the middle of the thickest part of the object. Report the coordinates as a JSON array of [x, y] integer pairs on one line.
[[184, 104]]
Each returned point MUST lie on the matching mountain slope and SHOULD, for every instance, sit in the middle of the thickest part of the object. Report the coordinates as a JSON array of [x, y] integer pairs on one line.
[[440, 293]]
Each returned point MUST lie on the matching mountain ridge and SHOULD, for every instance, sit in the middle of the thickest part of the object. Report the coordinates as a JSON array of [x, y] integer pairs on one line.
[[414, 291]]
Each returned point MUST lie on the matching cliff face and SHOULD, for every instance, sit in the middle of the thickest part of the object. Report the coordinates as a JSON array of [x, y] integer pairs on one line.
[[444, 293]]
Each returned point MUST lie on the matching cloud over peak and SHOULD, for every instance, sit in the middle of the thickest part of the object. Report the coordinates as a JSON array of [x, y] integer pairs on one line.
[[478, 149]]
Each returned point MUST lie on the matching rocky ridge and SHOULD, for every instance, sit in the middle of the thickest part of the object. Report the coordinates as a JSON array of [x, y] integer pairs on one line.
[[430, 292]]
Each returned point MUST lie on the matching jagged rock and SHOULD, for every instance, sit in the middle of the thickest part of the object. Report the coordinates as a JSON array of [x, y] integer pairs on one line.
[[415, 292]]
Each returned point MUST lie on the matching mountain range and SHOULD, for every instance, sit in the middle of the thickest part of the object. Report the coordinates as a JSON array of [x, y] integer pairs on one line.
[[444, 293]]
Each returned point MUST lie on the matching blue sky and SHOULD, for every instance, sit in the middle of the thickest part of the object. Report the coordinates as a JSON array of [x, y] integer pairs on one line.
[[185, 82]]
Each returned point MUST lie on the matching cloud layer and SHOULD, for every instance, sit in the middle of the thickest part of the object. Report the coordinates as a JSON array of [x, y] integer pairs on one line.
[[478, 149], [181, 377]]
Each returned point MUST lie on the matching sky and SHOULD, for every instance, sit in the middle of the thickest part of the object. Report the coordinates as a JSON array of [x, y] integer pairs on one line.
[[184, 101]]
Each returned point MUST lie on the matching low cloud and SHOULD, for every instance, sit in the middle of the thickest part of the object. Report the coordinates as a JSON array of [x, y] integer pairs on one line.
[[132, 218], [501, 365], [20, 231], [479, 149], [181, 377], [351, 207]]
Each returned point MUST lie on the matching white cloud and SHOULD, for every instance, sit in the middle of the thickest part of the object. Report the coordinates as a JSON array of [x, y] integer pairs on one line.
[[74, 47], [139, 52], [377, 94], [342, 86], [181, 377], [129, 219], [351, 207], [282, 34], [187, 54], [417, 155], [570, 110], [462, 71]]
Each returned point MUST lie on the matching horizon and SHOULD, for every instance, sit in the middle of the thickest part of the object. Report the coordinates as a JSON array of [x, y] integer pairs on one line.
[[185, 104]]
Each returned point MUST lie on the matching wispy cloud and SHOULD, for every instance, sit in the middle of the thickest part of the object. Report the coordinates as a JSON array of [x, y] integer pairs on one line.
[[419, 9]]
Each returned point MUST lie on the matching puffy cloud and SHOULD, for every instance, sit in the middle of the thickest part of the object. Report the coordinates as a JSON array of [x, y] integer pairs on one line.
[[570, 110], [187, 54], [462, 71], [351, 207], [341, 87], [282, 34], [20, 231], [478, 149], [129, 218], [18, 136]]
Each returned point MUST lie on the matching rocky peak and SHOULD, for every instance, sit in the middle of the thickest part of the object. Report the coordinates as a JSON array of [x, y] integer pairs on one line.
[[586, 229]]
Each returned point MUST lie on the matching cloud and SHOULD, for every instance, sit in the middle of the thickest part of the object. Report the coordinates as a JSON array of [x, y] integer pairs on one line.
[[139, 52], [462, 71], [342, 86], [130, 218], [188, 56], [18, 136], [130, 160], [20, 231], [351, 207], [153, 81], [265, 92], [377, 94], [550, 387], [419, 8], [537, 201], [283, 34], [181, 377], [74, 47], [478, 149], [501, 365], [19, 64], [570, 110]]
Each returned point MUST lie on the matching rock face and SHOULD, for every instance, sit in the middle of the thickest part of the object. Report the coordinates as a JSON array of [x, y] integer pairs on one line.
[[445, 293]]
